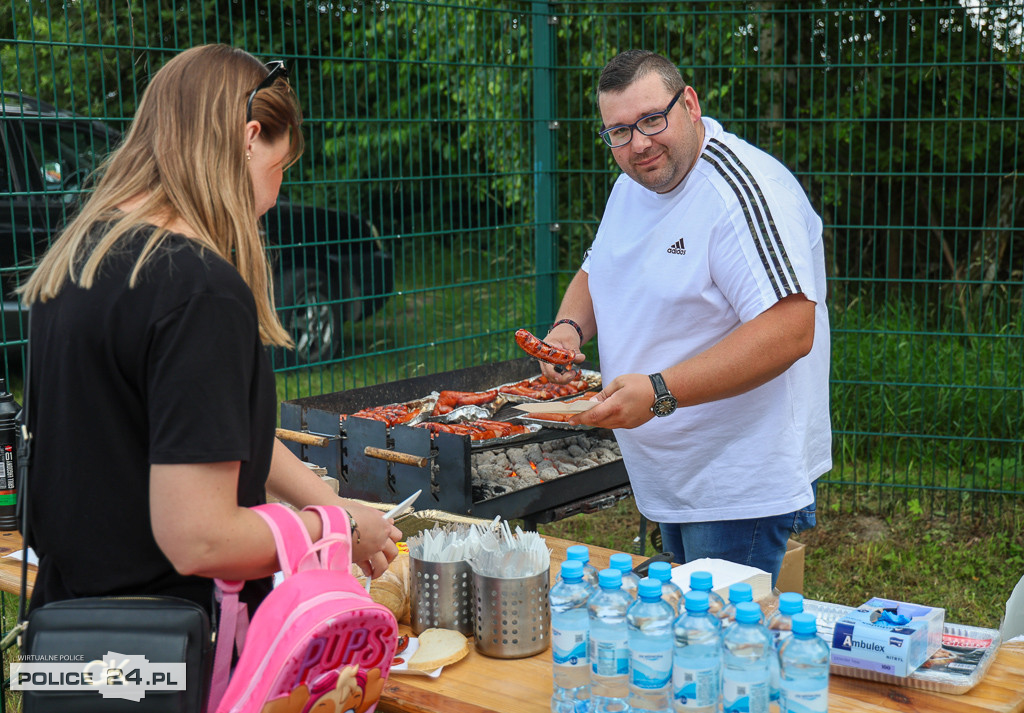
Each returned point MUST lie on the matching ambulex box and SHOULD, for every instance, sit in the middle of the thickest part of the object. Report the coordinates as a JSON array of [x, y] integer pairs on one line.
[[887, 636]]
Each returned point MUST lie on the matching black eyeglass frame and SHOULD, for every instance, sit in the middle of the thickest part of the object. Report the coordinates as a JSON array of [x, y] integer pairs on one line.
[[636, 125], [277, 69]]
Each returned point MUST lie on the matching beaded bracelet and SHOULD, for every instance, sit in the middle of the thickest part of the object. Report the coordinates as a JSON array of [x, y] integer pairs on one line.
[[572, 324], [355, 528]]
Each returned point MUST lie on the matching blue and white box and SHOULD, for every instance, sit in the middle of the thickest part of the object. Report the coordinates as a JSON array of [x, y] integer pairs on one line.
[[887, 636]]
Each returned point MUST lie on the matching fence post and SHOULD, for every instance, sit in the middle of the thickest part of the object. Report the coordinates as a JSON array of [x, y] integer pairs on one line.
[[545, 160]]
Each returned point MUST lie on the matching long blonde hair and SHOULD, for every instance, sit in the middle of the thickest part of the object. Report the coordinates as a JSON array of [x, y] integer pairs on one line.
[[185, 151]]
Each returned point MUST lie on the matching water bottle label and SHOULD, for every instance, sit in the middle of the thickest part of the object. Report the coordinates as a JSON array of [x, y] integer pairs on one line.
[[651, 670], [804, 701], [609, 657], [694, 687], [745, 696], [569, 647]]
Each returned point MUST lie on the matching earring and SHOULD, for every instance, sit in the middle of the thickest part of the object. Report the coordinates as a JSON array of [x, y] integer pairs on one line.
[[248, 156]]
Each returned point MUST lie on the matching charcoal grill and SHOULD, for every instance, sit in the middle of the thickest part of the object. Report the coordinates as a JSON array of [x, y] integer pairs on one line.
[[381, 464]]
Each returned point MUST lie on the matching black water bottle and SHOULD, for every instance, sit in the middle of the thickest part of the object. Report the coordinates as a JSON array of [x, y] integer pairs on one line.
[[9, 410]]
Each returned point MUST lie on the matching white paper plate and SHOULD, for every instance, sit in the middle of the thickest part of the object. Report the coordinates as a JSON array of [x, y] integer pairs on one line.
[[403, 667]]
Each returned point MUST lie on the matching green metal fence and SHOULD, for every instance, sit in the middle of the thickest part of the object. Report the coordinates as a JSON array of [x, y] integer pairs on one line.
[[453, 179]]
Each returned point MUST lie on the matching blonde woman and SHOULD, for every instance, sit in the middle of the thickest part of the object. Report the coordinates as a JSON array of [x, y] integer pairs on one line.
[[153, 402]]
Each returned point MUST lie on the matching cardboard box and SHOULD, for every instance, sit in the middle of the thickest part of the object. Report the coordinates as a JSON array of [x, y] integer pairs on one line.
[[887, 636], [791, 576]]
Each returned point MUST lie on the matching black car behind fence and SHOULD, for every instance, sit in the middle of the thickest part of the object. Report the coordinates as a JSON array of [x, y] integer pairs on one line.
[[329, 266]]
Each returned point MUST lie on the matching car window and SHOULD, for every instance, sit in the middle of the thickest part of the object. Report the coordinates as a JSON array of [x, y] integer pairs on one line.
[[5, 173], [61, 154]]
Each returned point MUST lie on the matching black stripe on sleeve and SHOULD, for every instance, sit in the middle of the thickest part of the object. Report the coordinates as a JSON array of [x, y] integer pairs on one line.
[[763, 230]]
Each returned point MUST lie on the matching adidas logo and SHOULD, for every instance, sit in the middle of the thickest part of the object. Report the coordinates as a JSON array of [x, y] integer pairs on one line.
[[678, 248]]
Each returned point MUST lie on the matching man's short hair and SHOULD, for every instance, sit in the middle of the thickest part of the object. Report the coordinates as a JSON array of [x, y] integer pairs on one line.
[[632, 65]]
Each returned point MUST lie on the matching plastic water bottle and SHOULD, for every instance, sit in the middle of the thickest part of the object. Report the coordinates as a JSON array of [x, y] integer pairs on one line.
[[624, 563], [804, 661], [582, 554], [701, 581], [780, 626], [650, 621], [739, 592], [570, 627], [670, 592], [746, 678], [697, 658], [609, 644]]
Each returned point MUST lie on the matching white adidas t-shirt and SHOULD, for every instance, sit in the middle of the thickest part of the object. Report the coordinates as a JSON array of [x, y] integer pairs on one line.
[[672, 274]]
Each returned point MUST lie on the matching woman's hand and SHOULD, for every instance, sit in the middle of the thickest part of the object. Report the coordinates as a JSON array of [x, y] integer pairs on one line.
[[373, 541]]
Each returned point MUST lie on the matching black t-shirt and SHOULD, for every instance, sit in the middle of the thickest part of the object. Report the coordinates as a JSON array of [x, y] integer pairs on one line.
[[171, 371]]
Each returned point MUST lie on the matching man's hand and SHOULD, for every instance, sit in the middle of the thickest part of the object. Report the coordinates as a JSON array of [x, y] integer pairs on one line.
[[563, 336], [624, 403]]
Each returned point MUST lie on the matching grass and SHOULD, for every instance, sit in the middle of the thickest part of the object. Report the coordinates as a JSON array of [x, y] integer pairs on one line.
[[967, 565]]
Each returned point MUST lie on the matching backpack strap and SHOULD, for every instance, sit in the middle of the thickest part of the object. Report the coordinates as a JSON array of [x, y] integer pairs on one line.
[[336, 541], [233, 624], [290, 535], [292, 542]]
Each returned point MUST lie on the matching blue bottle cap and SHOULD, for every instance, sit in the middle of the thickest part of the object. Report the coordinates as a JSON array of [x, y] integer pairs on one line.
[[741, 592], [748, 612], [621, 561], [804, 623], [700, 581], [649, 588], [791, 603], [696, 602], [661, 571], [578, 552], [609, 578], [572, 571]]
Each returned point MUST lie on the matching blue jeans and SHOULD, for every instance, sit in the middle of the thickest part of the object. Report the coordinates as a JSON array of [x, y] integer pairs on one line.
[[760, 542]]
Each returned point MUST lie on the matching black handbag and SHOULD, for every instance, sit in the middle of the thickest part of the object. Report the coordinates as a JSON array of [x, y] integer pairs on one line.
[[128, 646], [120, 641]]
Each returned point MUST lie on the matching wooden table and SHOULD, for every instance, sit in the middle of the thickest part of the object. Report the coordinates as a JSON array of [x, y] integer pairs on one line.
[[10, 567], [479, 684]]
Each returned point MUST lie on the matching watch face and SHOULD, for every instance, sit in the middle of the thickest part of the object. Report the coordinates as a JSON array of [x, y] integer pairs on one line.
[[664, 406]]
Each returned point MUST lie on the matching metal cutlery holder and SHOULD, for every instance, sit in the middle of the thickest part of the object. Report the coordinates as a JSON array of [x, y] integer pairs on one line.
[[442, 596], [513, 617]]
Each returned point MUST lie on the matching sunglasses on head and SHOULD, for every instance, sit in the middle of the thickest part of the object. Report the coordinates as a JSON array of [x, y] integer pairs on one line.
[[276, 69]]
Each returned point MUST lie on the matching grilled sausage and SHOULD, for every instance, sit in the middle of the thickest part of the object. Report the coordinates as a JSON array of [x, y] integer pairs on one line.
[[539, 349]]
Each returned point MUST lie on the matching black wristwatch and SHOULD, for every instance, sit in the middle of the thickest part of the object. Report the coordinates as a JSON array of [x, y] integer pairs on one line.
[[664, 401]]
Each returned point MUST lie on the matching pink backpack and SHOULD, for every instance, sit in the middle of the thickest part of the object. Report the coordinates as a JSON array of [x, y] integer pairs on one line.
[[317, 643]]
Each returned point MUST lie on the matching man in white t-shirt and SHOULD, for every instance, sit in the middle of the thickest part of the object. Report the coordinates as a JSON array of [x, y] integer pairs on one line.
[[705, 287]]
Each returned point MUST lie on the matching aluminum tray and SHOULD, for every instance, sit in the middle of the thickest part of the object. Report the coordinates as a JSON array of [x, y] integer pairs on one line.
[[593, 379], [967, 653]]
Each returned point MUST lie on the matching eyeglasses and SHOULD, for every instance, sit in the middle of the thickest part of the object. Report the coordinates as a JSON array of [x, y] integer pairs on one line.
[[277, 69], [622, 134]]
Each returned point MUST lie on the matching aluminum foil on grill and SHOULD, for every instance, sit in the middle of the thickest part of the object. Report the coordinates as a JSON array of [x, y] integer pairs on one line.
[[592, 379], [395, 414], [462, 414]]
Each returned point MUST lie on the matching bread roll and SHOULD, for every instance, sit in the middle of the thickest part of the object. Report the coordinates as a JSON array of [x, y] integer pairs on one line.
[[437, 648], [391, 588]]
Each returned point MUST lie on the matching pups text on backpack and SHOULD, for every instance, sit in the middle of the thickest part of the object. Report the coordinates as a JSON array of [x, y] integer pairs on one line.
[[316, 681]]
